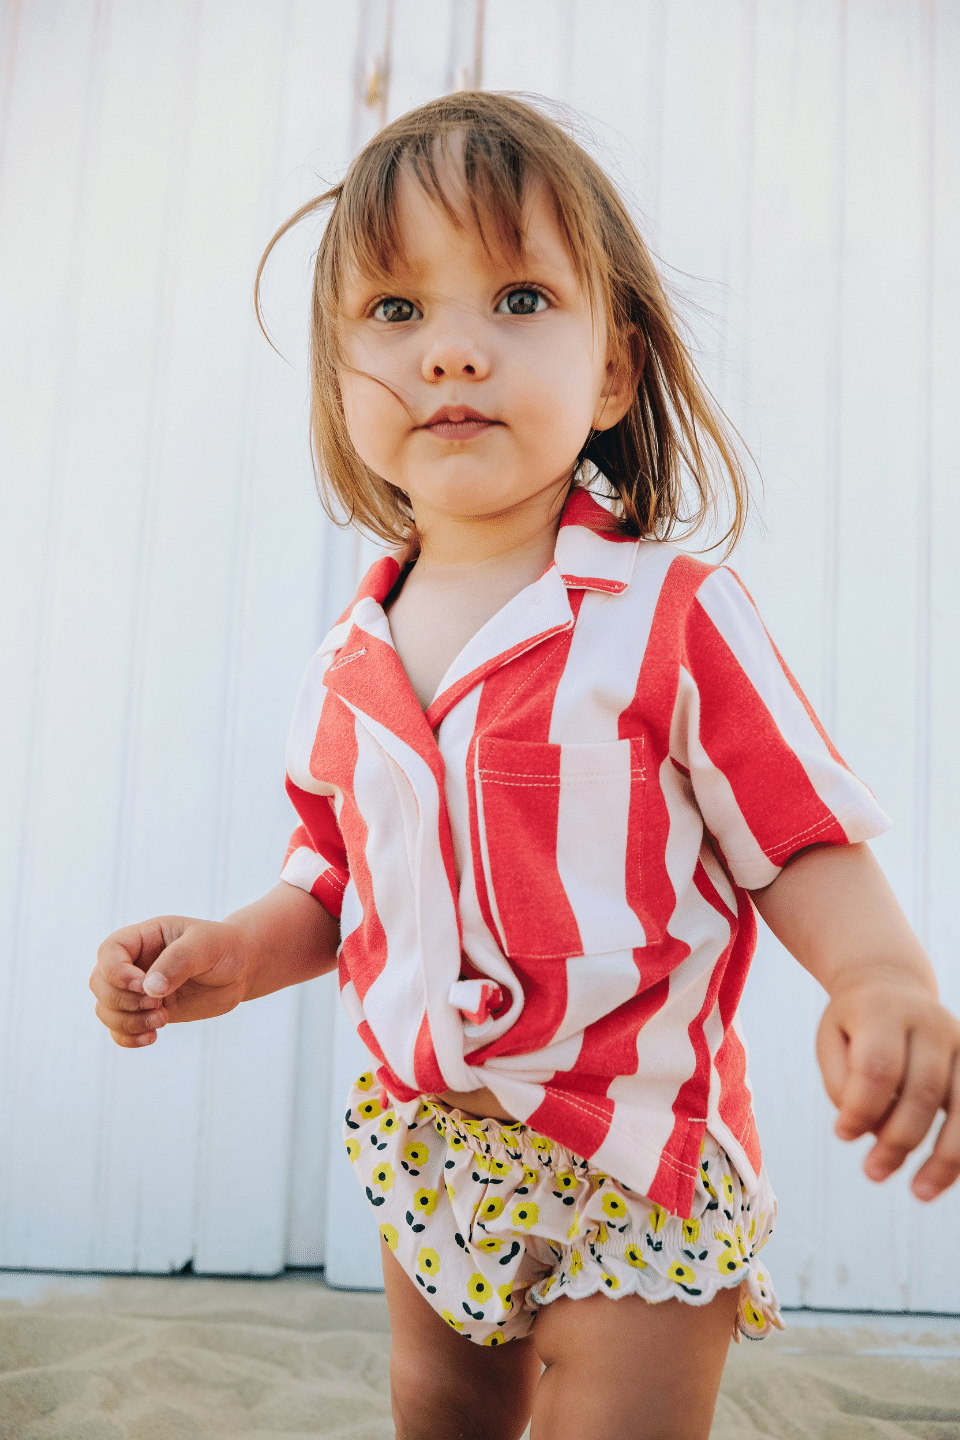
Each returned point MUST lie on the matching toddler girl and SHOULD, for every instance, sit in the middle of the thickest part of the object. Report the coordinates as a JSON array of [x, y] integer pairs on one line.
[[547, 767]]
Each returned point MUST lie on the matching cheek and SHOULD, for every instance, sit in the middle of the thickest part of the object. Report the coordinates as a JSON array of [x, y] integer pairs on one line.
[[561, 394], [369, 410], [353, 412], [350, 395], [568, 366]]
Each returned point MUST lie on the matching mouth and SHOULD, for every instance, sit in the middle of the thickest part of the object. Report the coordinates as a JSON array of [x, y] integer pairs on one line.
[[458, 422]]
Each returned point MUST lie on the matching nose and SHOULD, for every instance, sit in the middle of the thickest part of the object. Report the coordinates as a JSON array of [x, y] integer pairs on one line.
[[455, 351]]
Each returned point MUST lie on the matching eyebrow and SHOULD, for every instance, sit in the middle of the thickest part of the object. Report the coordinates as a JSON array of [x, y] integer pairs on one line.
[[524, 266]]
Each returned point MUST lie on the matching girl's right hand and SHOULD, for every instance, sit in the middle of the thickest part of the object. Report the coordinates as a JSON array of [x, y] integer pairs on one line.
[[168, 969]]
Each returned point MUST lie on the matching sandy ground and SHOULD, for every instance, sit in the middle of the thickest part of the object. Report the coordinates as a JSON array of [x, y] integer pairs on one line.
[[131, 1358]]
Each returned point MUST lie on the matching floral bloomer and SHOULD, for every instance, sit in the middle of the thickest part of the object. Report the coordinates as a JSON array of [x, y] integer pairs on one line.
[[491, 1221]]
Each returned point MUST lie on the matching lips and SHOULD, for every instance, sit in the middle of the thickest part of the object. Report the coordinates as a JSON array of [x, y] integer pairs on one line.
[[458, 422]]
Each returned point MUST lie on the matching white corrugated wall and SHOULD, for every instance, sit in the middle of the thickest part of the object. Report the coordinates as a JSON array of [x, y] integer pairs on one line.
[[166, 571]]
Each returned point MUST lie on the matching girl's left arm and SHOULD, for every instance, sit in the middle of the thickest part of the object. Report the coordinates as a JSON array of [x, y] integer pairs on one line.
[[888, 1050]]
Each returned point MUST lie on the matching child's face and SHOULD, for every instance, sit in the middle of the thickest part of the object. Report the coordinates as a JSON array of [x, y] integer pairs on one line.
[[493, 370]]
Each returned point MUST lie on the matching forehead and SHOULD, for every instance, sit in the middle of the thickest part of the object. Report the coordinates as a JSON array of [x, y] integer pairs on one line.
[[429, 230], [436, 220]]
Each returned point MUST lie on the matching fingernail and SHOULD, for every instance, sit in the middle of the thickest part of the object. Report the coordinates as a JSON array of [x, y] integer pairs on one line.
[[155, 985], [925, 1190], [147, 1039], [155, 1020]]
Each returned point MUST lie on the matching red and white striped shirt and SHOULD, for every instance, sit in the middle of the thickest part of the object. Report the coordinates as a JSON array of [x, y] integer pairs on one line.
[[541, 880]]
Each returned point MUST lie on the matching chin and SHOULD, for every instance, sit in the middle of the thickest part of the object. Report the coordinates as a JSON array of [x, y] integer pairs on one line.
[[468, 496]]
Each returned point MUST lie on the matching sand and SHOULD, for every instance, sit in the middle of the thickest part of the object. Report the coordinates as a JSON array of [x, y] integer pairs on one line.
[[183, 1358]]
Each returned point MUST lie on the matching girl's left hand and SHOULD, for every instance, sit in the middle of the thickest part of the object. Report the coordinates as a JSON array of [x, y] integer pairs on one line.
[[890, 1058], [888, 1051]]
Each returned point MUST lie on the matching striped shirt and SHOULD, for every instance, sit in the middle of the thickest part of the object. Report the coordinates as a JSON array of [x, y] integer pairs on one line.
[[542, 879]]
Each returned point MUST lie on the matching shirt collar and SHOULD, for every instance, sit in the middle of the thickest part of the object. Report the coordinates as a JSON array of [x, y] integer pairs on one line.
[[590, 553]]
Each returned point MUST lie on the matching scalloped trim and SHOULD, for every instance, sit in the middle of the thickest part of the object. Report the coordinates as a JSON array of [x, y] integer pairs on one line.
[[753, 1294]]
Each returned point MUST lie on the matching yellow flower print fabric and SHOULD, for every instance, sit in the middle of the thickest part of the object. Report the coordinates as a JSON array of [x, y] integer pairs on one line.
[[493, 1221]]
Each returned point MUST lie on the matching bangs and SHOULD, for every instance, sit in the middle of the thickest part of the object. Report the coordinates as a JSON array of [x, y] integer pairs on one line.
[[478, 173]]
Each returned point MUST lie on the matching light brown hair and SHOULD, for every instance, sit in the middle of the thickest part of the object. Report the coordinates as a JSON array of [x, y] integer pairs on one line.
[[671, 461]]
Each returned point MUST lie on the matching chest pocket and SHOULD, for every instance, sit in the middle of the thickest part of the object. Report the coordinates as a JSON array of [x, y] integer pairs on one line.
[[560, 832]]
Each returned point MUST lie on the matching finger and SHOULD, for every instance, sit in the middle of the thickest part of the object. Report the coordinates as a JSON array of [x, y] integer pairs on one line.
[[876, 1060], [199, 952], [117, 970], [133, 1042], [128, 952], [942, 1165], [123, 1022], [832, 1055], [117, 999], [925, 1087]]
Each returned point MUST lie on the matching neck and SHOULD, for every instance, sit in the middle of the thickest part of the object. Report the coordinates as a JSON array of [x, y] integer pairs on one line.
[[461, 543]]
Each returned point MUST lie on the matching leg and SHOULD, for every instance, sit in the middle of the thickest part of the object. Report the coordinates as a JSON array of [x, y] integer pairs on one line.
[[444, 1387], [626, 1370]]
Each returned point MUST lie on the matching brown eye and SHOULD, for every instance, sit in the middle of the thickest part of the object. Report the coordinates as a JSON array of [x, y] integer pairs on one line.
[[394, 309], [522, 302]]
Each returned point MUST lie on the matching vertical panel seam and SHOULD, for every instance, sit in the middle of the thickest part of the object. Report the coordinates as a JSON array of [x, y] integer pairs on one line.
[[922, 838], [656, 109], [50, 576], [748, 196], [13, 38], [133, 701], [566, 43], [379, 98], [835, 399], [831, 517], [479, 27], [9, 75]]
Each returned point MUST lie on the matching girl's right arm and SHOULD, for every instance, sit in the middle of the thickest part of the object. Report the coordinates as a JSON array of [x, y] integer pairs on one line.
[[173, 968]]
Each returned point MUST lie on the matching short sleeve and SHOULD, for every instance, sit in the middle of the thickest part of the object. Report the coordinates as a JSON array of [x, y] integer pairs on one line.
[[316, 859], [764, 774]]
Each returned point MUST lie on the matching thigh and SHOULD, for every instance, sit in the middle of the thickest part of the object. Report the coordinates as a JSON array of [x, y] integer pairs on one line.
[[443, 1385], [624, 1369]]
